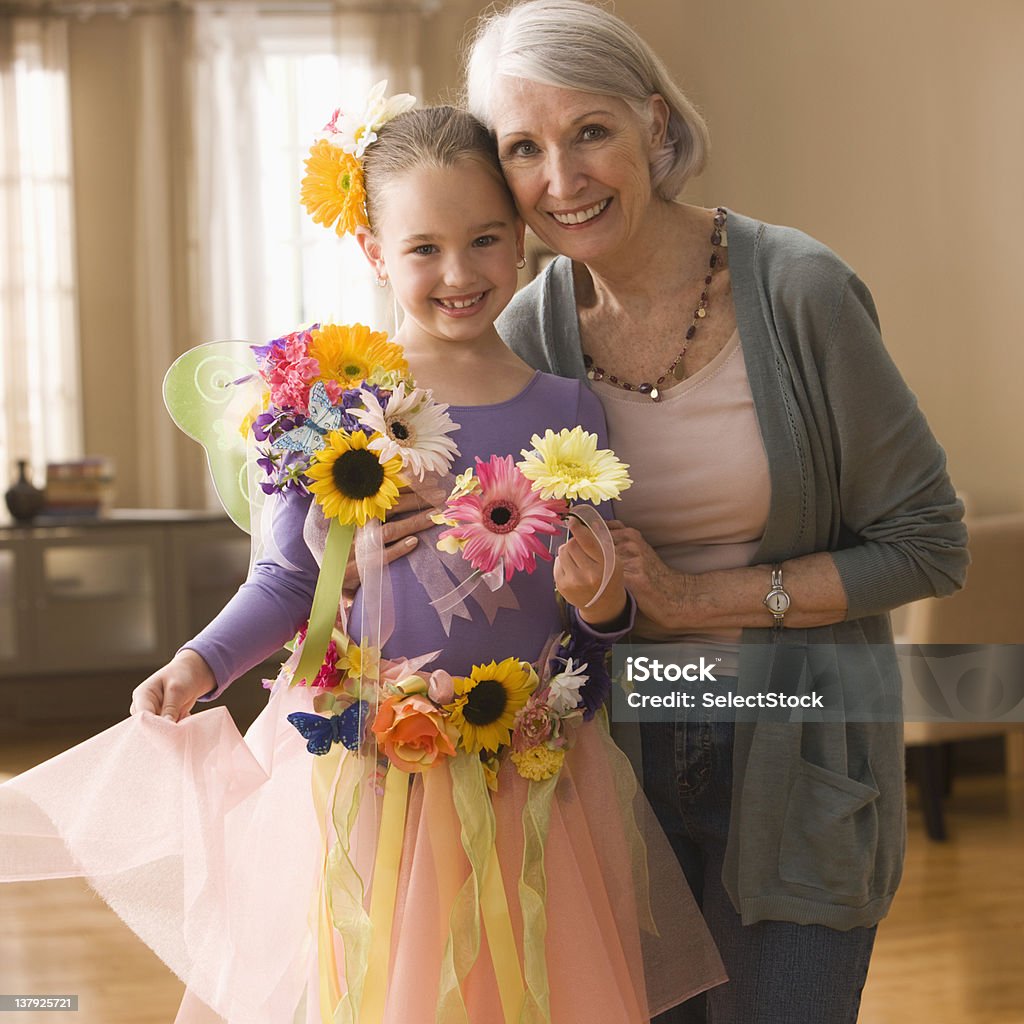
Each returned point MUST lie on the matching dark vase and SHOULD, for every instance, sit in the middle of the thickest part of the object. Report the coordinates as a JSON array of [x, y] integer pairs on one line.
[[24, 501]]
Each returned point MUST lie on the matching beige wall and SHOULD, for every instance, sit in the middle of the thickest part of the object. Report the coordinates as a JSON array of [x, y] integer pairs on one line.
[[895, 134], [892, 132], [102, 113]]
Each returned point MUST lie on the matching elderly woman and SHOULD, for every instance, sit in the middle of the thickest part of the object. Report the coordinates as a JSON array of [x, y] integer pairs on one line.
[[788, 492]]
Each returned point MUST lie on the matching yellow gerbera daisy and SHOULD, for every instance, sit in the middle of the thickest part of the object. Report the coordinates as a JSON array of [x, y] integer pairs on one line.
[[350, 483], [350, 355], [569, 465], [333, 188], [486, 702]]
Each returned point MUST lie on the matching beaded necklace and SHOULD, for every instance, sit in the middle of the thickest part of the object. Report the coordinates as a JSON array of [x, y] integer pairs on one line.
[[653, 391]]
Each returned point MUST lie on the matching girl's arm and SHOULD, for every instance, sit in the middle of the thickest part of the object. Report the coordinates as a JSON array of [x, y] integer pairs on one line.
[[263, 615]]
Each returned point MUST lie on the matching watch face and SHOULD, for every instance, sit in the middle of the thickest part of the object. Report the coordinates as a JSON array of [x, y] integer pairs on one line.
[[777, 602]]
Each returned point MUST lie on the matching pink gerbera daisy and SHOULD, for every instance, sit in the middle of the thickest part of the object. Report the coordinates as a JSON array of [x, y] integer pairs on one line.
[[502, 522]]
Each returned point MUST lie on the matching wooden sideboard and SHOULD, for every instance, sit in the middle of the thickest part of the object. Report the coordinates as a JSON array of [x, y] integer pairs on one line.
[[121, 592]]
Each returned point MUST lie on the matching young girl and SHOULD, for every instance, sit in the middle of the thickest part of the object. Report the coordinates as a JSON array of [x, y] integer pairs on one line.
[[489, 896]]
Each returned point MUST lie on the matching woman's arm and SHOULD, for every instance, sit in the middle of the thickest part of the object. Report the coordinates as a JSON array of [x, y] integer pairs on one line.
[[726, 598]]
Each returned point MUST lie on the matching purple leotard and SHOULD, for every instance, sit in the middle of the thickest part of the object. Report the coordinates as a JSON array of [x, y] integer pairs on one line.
[[275, 601]]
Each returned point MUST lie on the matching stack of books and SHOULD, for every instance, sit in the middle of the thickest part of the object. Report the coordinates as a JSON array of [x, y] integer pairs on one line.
[[84, 487]]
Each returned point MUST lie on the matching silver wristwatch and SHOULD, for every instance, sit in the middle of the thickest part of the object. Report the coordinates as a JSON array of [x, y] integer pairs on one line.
[[777, 600]]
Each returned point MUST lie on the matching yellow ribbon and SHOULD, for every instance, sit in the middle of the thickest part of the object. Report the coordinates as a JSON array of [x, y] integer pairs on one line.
[[385, 891], [501, 939], [324, 778], [338, 782], [482, 895], [533, 889]]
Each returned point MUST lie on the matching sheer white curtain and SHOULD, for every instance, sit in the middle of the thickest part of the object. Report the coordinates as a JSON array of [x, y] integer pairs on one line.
[[263, 85], [40, 403]]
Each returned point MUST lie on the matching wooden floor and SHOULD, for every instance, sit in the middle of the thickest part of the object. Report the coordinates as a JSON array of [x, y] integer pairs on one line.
[[951, 951]]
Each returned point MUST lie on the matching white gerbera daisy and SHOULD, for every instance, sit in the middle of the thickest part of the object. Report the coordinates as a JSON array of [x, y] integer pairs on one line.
[[564, 688], [412, 426]]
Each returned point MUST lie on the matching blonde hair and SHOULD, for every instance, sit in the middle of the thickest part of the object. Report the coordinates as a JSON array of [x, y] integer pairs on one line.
[[432, 137], [577, 45]]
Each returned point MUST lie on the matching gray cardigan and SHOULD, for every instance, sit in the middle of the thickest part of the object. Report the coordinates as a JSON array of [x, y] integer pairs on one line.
[[818, 815]]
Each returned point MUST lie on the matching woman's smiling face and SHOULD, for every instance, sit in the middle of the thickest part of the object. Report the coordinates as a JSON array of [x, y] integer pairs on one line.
[[578, 164]]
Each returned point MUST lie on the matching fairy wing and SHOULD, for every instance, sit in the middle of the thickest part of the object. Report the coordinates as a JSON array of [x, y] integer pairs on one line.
[[213, 392]]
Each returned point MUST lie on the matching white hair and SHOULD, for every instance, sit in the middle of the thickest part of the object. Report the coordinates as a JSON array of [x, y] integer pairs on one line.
[[577, 45]]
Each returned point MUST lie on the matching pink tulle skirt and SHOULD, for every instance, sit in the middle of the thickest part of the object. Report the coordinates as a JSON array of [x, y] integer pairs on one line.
[[209, 846]]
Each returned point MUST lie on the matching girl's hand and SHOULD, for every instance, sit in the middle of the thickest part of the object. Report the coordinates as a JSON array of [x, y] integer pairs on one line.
[[409, 516], [172, 691], [579, 566]]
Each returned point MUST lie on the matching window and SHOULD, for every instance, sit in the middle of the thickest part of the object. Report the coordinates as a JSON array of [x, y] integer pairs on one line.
[[40, 417], [311, 273], [266, 86]]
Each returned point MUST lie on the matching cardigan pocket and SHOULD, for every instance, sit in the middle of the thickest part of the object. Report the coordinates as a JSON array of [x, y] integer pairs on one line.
[[830, 832]]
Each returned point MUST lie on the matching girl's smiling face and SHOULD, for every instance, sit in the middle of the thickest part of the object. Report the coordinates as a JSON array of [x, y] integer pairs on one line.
[[448, 239]]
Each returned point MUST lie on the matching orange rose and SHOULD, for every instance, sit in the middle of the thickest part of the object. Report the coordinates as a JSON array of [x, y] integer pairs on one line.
[[413, 733]]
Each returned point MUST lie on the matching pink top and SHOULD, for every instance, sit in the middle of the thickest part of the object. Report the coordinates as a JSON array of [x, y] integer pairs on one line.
[[698, 513]]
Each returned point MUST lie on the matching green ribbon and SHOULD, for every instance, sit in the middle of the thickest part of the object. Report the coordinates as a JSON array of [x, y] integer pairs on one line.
[[326, 599]]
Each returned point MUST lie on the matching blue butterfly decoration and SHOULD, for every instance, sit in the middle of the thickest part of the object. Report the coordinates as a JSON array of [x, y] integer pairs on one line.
[[322, 419], [323, 733]]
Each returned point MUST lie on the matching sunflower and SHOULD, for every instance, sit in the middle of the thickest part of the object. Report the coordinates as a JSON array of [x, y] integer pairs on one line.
[[569, 465], [350, 483], [333, 188], [486, 702], [350, 355]]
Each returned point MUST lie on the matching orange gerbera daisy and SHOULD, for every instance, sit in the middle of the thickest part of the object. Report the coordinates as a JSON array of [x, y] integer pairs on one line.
[[333, 189], [350, 355]]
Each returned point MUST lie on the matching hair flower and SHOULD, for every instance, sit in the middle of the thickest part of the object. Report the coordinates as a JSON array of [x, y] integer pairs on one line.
[[333, 190]]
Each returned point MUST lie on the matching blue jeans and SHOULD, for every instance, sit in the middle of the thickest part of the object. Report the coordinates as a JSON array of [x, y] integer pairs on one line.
[[779, 972]]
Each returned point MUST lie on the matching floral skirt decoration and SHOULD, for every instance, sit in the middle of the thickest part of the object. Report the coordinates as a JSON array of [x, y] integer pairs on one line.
[[284, 888]]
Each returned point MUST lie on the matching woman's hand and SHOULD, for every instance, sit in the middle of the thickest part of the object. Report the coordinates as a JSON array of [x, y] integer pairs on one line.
[[172, 691], [657, 589], [409, 516], [579, 567]]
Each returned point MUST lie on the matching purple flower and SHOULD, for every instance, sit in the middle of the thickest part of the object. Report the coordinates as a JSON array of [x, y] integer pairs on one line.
[[262, 424], [353, 399], [592, 651]]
